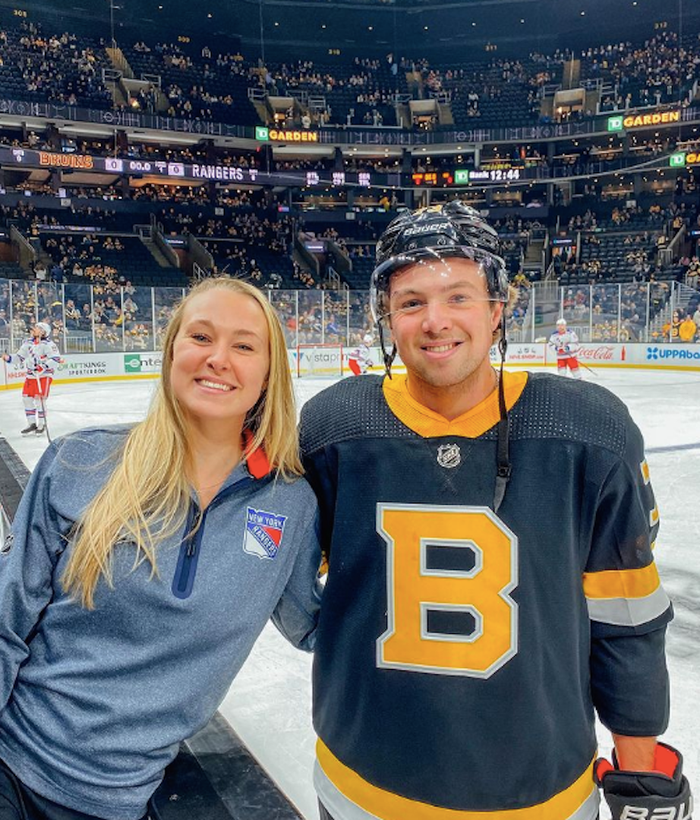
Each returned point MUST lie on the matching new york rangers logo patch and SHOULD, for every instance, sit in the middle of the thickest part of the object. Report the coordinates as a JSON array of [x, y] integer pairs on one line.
[[263, 533]]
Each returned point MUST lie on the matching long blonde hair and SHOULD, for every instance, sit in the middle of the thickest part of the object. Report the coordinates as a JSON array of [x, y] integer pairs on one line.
[[147, 496]]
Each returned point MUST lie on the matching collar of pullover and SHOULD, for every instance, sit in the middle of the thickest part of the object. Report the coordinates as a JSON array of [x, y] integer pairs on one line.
[[256, 460]]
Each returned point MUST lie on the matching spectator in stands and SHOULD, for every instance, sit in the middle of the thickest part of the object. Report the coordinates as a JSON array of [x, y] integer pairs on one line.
[[687, 330], [92, 636], [56, 273], [671, 330], [72, 315], [696, 316]]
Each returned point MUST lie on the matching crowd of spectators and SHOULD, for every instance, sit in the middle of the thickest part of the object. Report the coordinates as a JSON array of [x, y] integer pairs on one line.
[[254, 246], [198, 84], [57, 67], [478, 90], [604, 313], [659, 71], [360, 93]]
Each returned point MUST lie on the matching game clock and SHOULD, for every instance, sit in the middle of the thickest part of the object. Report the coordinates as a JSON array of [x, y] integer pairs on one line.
[[495, 175]]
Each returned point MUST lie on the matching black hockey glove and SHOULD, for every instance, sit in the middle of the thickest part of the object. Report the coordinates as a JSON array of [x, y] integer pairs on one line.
[[663, 794]]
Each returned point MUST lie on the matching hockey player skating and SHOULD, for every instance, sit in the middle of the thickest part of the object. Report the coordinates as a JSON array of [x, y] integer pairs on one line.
[[493, 586], [39, 356], [565, 343], [360, 359]]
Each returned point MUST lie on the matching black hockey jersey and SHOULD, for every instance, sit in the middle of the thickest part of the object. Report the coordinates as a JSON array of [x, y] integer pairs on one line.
[[461, 654]]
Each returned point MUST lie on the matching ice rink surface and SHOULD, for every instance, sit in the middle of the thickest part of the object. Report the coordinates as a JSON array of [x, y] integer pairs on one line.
[[269, 703]]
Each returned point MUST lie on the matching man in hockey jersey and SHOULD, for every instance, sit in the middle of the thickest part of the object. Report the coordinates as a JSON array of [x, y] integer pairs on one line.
[[492, 586], [360, 359], [40, 357], [565, 343]]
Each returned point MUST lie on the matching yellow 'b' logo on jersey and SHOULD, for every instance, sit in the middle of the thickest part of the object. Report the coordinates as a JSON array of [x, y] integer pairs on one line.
[[421, 591]]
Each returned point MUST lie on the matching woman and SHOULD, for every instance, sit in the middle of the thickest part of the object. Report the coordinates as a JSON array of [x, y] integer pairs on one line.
[[145, 561]]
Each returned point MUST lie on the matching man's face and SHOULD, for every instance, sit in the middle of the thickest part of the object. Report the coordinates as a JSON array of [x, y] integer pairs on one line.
[[442, 321]]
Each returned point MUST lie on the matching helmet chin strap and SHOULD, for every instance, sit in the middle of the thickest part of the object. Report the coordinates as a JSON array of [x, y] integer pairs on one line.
[[387, 357], [504, 467]]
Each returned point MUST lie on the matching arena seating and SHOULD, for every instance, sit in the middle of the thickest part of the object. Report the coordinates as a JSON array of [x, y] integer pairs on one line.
[[43, 65], [47, 66], [126, 255], [212, 89], [490, 95], [653, 73]]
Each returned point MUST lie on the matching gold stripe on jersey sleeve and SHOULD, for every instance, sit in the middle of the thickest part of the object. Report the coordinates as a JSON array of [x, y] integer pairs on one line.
[[429, 424], [644, 469], [621, 583], [389, 806], [654, 516]]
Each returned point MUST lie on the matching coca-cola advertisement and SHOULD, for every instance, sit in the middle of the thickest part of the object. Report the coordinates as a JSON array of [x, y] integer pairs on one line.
[[602, 352]]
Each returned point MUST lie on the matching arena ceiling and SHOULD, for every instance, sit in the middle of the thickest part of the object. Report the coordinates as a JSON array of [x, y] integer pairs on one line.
[[470, 28]]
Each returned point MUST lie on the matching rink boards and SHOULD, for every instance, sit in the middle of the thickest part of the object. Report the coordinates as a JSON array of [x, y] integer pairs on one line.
[[87, 367]]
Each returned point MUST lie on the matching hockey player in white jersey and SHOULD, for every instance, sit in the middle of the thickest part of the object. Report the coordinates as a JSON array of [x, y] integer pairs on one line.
[[359, 359], [39, 356], [565, 343]]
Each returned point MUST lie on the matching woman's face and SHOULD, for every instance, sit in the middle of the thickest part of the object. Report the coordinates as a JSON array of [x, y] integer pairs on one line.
[[221, 358]]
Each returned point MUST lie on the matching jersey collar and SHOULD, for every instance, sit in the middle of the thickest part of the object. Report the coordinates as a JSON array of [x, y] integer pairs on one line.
[[429, 424]]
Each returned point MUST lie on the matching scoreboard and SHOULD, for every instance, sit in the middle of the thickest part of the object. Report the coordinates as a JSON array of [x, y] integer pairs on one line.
[[433, 179], [466, 176], [172, 172]]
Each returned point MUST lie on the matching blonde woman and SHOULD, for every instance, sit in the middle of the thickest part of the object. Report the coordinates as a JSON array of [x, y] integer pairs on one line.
[[144, 562]]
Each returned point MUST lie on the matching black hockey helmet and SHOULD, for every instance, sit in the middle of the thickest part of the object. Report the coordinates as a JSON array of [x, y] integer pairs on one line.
[[438, 231]]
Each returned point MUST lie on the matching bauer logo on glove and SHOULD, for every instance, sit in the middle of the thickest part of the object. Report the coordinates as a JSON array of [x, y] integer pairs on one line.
[[661, 794]]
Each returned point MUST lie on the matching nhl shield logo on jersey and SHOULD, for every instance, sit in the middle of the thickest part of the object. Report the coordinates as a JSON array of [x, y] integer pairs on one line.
[[448, 455], [263, 533]]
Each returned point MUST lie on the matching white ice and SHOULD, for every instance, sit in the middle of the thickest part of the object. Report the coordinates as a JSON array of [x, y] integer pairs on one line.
[[269, 704]]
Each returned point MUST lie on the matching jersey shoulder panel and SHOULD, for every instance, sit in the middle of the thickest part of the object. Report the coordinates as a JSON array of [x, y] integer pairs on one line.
[[572, 410], [350, 409]]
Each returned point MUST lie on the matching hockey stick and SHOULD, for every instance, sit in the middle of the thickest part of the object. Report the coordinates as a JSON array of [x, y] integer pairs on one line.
[[589, 369]]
